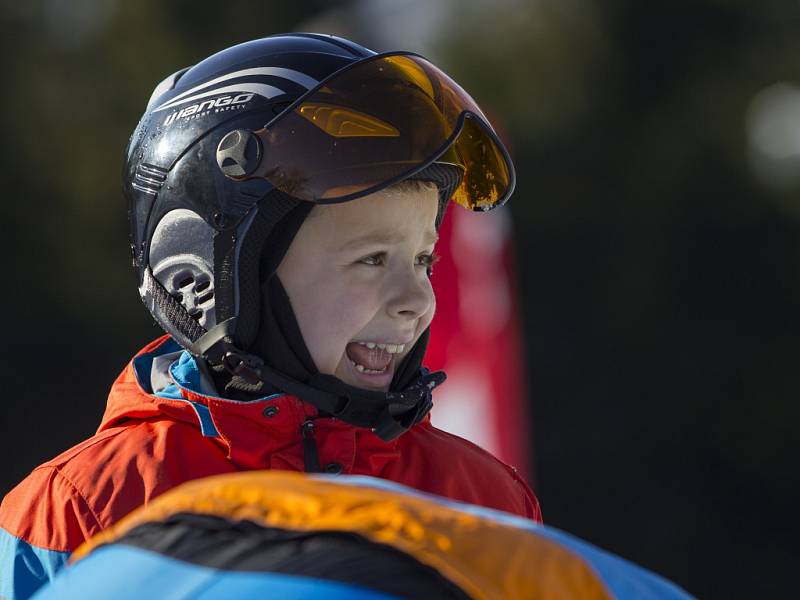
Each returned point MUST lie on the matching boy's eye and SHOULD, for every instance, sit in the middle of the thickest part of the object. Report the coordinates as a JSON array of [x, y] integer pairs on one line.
[[425, 260], [375, 259], [428, 260]]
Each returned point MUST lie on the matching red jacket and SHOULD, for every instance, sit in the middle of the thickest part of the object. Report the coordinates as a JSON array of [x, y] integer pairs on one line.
[[148, 444]]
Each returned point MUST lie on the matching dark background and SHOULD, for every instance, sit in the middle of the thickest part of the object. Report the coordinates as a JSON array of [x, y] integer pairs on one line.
[[656, 220]]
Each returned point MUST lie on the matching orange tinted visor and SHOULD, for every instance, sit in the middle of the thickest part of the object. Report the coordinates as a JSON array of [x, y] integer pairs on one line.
[[377, 122]]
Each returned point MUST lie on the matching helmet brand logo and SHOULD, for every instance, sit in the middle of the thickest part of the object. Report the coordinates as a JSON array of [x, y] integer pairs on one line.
[[202, 109]]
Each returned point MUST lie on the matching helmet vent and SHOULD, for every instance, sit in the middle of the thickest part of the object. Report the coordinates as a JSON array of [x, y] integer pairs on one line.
[[194, 290], [149, 178], [205, 298]]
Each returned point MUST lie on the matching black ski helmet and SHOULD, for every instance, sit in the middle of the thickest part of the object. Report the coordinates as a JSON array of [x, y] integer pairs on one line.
[[229, 147]]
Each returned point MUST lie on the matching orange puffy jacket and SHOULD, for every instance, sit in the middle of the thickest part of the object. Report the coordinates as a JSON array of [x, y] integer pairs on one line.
[[147, 444]]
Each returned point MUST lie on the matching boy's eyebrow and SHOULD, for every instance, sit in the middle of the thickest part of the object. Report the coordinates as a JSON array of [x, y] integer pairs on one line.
[[383, 237]]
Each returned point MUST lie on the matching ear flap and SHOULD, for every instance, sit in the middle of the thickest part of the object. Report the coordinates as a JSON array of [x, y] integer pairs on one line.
[[277, 243], [271, 210]]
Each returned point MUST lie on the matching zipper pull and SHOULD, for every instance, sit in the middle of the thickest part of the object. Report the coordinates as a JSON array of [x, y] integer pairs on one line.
[[310, 450]]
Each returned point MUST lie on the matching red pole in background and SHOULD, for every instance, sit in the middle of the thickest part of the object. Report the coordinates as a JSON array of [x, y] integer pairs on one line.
[[476, 337]]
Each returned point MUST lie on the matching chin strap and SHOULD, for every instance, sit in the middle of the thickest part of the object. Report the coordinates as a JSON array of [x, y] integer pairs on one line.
[[387, 414]]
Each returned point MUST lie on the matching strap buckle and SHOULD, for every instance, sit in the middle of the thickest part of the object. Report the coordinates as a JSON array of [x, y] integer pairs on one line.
[[243, 365]]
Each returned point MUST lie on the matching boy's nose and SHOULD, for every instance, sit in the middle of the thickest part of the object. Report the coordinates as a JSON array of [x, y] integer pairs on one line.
[[411, 296]]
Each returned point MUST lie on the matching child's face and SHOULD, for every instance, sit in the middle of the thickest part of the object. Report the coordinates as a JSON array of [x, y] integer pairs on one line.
[[346, 289]]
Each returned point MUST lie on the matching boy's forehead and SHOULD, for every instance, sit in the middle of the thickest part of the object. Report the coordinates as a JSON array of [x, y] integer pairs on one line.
[[386, 217], [382, 236]]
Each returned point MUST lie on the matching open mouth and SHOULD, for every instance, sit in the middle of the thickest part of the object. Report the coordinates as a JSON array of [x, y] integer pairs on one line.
[[369, 357], [373, 362]]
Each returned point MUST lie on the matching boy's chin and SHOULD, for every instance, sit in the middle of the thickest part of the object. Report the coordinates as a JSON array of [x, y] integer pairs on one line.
[[374, 382]]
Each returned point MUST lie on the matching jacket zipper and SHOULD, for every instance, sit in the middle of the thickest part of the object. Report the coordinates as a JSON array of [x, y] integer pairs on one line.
[[310, 450]]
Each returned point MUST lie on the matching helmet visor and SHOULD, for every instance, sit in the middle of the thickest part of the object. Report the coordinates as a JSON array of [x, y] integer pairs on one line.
[[377, 122]]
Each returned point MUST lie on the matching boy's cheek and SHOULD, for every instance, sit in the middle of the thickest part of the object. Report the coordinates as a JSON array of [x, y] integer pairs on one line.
[[426, 319]]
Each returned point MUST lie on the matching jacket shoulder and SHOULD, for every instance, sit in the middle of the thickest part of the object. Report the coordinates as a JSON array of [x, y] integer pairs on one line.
[[474, 474], [42, 520], [80, 450], [47, 511], [92, 485], [52, 508]]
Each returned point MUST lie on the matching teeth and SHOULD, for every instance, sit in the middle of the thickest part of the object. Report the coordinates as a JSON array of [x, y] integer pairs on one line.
[[363, 369], [390, 348]]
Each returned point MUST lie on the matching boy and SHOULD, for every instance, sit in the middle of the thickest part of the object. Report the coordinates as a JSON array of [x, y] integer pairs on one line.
[[284, 200]]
